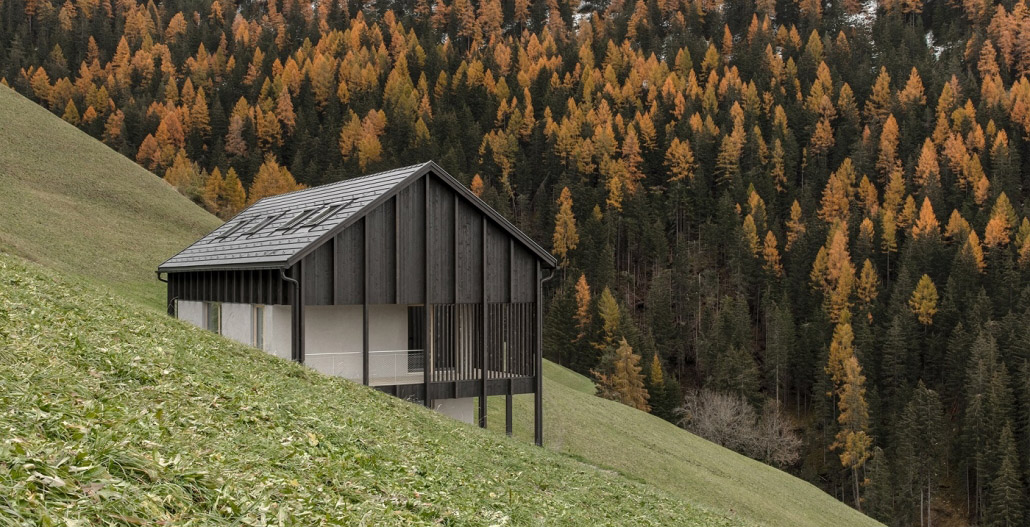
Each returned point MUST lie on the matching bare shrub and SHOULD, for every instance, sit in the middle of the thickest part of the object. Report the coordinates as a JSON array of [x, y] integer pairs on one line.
[[729, 420]]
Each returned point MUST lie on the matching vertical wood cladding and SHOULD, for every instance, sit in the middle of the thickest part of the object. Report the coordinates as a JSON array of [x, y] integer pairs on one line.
[[382, 257], [334, 273], [498, 264], [441, 242], [469, 250], [318, 276], [245, 286], [411, 243], [350, 264], [523, 266]]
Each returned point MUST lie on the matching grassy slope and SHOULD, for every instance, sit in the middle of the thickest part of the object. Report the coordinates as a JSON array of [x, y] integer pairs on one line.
[[73, 204], [654, 451], [110, 415]]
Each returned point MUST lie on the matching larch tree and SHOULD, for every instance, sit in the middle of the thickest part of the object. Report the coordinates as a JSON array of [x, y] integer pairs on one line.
[[923, 301], [771, 255], [565, 236], [926, 226], [795, 225], [750, 234], [584, 316], [271, 180], [624, 383], [852, 440]]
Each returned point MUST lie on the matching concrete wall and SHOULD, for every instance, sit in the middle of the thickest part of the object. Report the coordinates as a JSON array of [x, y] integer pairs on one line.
[[238, 322], [332, 342], [191, 311], [461, 409], [278, 328]]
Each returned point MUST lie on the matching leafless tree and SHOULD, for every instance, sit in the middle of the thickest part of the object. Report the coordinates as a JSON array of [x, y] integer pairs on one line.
[[729, 420]]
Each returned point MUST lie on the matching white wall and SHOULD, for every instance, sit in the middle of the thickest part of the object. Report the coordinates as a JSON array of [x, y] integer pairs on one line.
[[278, 328], [190, 311], [460, 409], [238, 322], [332, 342], [332, 336]]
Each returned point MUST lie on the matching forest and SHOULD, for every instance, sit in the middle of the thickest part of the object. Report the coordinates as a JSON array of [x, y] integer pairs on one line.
[[813, 211]]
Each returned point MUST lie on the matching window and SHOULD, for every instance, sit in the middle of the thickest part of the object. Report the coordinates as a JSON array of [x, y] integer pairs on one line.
[[263, 223], [296, 220], [213, 316], [234, 229], [416, 338], [259, 327], [324, 215]]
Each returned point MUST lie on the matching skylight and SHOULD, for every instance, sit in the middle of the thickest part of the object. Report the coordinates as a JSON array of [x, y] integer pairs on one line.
[[234, 229], [304, 214], [263, 223], [324, 215]]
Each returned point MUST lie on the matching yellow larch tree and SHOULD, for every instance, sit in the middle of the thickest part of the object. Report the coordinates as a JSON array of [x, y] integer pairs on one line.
[[923, 301], [271, 180], [583, 313], [771, 255], [795, 225], [926, 226], [565, 236], [625, 383]]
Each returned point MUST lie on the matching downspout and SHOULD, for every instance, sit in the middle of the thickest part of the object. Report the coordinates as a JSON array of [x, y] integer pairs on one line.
[[539, 388], [296, 338], [170, 304]]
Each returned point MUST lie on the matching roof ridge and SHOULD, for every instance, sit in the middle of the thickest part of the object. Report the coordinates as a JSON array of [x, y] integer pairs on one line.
[[342, 181]]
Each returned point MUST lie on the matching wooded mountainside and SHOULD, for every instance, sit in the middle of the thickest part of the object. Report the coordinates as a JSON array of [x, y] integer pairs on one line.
[[819, 204]]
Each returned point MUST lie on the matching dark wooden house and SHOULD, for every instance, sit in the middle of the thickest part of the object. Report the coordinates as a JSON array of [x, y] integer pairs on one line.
[[402, 280]]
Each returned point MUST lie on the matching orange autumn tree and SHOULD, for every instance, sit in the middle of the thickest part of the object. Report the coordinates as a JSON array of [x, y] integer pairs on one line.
[[565, 236], [625, 383], [852, 440], [923, 301], [271, 180], [583, 313]]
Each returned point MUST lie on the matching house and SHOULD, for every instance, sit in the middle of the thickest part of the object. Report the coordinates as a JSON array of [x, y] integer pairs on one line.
[[402, 280]]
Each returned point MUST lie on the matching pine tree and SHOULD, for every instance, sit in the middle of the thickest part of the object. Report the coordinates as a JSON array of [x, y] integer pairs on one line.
[[988, 403], [1008, 496], [795, 226], [922, 427]]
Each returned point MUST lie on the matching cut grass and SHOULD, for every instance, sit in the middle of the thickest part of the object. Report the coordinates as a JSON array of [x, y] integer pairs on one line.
[[73, 204], [110, 415], [648, 449]]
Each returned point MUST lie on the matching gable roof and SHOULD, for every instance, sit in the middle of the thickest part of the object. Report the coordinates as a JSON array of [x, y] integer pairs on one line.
[[276, 232]]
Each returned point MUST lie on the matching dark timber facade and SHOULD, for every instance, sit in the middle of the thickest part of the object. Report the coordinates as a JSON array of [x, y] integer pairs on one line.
[[413, 243]]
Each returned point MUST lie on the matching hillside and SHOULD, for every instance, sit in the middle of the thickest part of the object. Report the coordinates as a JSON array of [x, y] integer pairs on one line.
[[73, 204], [113, 415], [746, 185], [648, 449], [160, 389]]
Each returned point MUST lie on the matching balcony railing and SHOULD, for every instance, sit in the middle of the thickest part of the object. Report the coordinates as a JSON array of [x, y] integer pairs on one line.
[[385, 367]]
